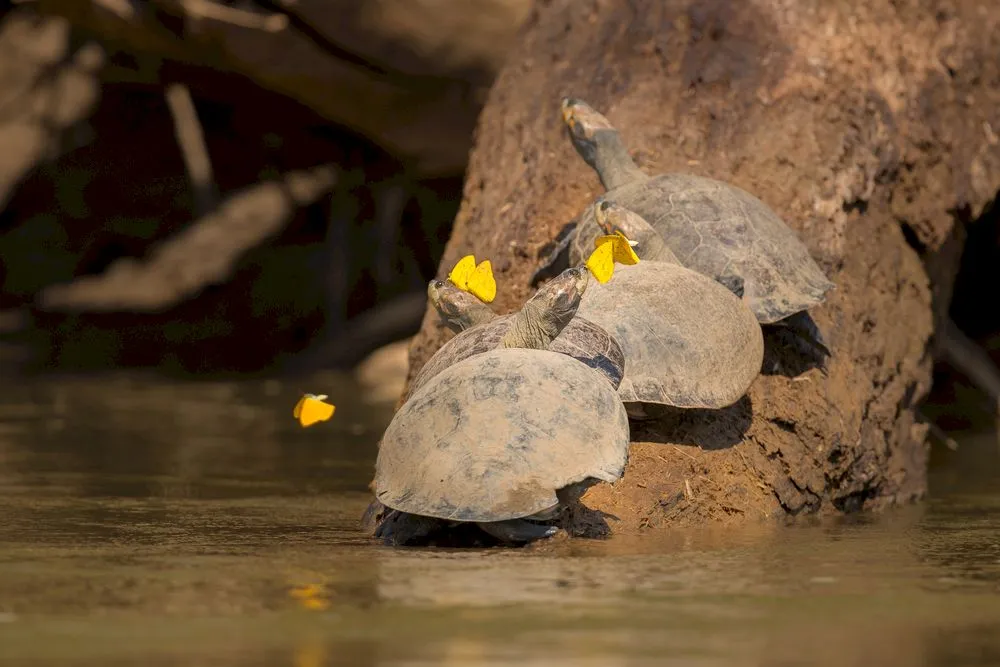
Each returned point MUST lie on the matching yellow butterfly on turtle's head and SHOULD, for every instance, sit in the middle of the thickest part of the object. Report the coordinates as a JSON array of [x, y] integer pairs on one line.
[[477, 280], [608, 250], [459, 275], [312, 409], [482, 283]]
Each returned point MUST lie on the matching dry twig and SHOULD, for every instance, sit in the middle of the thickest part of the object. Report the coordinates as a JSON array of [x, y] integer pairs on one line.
[[205, 9], [191, 141]]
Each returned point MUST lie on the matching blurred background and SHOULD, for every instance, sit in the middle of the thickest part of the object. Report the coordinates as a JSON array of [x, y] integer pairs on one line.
[[231, 188]]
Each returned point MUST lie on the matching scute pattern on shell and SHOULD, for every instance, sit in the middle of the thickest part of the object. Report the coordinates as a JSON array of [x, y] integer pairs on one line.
[[581, 339], [689, 342], [494, 436], [717, 229]]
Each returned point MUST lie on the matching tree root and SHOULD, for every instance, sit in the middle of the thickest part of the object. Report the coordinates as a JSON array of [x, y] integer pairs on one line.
[[965, 355], [199, 256]]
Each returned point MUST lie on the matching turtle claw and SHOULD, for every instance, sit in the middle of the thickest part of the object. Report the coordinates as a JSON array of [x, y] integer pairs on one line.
[[517, 530], [557, 259], [804, 328]]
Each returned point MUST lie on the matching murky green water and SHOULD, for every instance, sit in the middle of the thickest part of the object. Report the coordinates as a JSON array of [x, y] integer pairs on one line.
[[169, 524]]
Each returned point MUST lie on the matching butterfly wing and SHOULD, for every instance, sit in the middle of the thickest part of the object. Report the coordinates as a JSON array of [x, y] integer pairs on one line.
[[482, 284], [312, 411], [463, 269], [297, 410], [623, 253], [601, 262], [324, 410]]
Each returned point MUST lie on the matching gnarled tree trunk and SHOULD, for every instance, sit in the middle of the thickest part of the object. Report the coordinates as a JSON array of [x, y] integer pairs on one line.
[[867, 126]]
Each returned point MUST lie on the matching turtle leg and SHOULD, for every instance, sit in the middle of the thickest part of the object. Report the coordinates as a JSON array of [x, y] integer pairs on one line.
[[803, 327], [372, 516], [648, 411], [557, 260], [517, 530], [572, 493], [395, 528]]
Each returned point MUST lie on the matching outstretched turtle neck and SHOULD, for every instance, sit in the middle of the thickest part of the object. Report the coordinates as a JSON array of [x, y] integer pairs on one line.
[[612, 162], [536, 326]]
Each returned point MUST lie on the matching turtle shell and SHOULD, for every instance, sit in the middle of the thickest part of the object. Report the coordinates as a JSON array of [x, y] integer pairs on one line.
[[581, 339], [718, 229], [496, 435], [689, 342]]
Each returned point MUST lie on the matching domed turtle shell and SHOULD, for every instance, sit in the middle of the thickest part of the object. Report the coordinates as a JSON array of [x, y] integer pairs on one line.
[[495, 436], [582, 339], [688, 341], [712, 227]]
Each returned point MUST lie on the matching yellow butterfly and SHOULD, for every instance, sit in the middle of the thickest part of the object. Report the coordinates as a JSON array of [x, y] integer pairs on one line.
[[608, 250], [311, 409], [477, 280]]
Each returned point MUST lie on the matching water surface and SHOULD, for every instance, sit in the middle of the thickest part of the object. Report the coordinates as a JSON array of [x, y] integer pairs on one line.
[[157, 523]]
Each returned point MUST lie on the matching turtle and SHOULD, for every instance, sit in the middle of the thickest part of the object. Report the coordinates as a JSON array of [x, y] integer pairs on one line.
[[689, 342], [503, 438], [479, 329], [710, 226]]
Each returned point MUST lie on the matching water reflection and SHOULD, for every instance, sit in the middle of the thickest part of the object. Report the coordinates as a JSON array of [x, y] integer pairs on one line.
[[198, 524], [128, 437]]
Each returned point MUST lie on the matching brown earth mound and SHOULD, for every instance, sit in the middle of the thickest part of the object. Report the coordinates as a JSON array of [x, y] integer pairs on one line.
[[870, 127]]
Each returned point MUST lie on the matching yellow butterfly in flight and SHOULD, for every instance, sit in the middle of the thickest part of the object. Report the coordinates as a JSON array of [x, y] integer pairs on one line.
[[312, 409], [608, 250], [477, 280]]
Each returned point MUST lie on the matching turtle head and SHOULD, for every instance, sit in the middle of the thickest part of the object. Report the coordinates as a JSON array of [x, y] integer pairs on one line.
[[599, 144], [561, 296], [607, 216], [584, 124], [546, 314], [612, 217], [457, 308]]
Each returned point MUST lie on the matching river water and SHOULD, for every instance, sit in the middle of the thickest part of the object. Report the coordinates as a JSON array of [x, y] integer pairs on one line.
[[157, 523]]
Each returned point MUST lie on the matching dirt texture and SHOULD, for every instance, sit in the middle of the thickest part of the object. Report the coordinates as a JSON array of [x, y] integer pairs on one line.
[[869, 127]]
